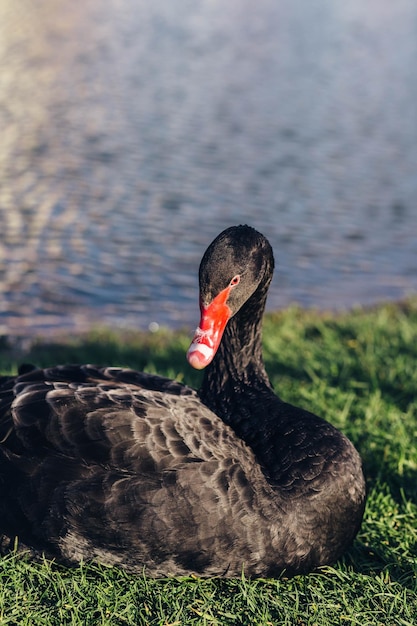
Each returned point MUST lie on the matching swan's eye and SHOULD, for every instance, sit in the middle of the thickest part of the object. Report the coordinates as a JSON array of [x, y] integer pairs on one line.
[[235, 281]]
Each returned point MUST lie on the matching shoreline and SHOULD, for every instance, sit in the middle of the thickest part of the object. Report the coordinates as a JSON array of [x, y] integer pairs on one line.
[[163, 349], [55, 327]]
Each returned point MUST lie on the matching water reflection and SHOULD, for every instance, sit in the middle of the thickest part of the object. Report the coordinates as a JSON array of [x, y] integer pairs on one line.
[[134, 133]]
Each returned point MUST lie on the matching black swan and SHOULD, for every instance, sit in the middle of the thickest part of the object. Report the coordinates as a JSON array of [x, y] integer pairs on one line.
[[140, 471]]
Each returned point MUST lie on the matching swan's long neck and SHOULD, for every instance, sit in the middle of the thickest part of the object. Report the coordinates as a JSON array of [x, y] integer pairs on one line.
[[236, 386]]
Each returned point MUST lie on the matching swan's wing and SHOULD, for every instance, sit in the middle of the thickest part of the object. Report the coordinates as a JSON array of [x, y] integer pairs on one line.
[[118, 418], [82, 411], [103, 468]]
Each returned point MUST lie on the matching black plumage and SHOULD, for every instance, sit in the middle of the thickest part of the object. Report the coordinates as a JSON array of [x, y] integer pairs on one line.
[[140, 471]]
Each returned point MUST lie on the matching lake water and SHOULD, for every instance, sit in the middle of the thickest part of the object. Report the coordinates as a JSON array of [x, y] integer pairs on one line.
[[133, 132]]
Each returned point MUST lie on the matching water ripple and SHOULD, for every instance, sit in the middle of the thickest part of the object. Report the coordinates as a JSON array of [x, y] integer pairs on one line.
[[132, 133]]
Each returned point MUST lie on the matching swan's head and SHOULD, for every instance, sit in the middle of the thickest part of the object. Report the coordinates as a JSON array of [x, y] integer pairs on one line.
[[234, 265]]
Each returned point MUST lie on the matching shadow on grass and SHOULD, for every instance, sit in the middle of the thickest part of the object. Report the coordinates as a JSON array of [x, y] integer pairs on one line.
[[379, 560]]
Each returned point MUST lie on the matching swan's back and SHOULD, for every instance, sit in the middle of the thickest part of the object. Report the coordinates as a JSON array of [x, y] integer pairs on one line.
[[99, 465]]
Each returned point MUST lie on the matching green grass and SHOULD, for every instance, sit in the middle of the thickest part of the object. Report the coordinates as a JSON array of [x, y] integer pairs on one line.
[[356, 369]]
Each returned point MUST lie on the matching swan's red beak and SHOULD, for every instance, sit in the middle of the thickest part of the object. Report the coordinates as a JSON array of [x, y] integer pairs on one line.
[[208, 335]]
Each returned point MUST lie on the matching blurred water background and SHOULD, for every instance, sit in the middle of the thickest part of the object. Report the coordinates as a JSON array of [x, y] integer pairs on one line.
[[132, 132]]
